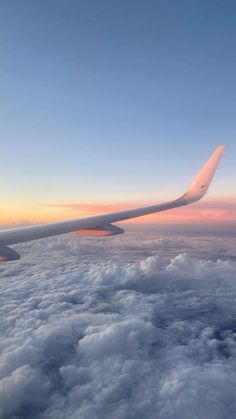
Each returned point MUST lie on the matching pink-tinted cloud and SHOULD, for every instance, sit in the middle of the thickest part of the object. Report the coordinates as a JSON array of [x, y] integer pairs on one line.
[[206, 211]]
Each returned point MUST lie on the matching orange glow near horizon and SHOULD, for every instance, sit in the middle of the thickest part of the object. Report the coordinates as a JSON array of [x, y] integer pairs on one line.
[[206, 211]]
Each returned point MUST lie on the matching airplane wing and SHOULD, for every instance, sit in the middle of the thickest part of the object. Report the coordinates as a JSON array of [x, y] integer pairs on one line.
[[102, 224]]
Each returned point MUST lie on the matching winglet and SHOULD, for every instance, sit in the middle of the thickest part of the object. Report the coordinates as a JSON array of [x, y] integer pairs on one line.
[[201, 183]]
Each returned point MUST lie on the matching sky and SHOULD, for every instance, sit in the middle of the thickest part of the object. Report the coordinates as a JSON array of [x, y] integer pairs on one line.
[[110, 104]]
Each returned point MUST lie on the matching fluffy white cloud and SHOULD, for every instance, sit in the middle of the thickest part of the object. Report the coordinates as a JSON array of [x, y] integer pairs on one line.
[[125, 327]]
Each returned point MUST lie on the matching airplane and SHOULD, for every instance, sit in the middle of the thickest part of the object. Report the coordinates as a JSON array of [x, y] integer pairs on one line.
[[102, 225]]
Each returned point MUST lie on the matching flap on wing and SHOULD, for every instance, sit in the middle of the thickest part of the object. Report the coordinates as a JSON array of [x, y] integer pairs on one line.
[[108, 230]]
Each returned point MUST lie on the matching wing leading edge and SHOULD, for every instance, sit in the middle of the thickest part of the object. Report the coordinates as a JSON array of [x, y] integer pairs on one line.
[[196, 191]]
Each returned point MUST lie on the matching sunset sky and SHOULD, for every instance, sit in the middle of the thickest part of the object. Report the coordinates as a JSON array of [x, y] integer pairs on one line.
[[109, 104]]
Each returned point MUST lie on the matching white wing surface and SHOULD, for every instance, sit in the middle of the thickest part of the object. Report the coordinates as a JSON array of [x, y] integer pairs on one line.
[[101, 224]]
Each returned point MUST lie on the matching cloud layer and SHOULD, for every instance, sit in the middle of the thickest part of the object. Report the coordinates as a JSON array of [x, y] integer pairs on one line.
[[125, 327]]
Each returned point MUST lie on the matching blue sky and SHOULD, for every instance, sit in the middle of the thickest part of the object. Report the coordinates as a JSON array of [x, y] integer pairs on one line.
[[114, 100]]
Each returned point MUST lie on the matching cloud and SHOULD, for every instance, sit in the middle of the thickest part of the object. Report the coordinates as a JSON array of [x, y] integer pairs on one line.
[[209, 210], [23, 389], [125, 327], [215, 210]]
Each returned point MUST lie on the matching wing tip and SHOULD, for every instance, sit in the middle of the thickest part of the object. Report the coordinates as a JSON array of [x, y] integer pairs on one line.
[[221, 148], [201, 183]]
